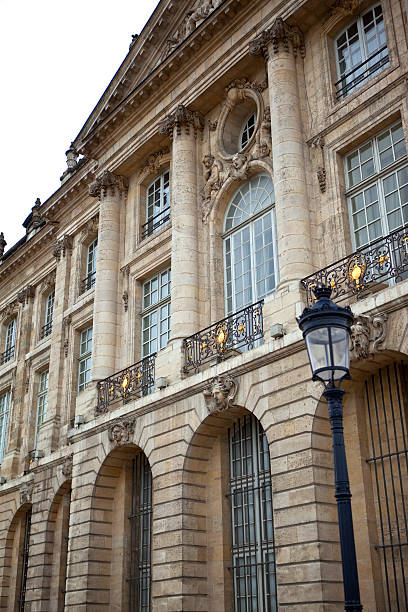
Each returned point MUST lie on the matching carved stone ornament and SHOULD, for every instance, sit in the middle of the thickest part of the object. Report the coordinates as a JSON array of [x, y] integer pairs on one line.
[[153, 162], [48, 282], [214, 178], [67, 467], [194, 17], [321, 177], [282, 36], [345, 7], [3, 244], [66, 347], [72, 162], [9, 310], [125, 298], [181, 117], [26, 492], [245, 83], [367, 333], [263, 142], [26, 294], [90, 228], [220, 393], [37, 218], [108, 183], [239, 166], [61, 247], [122, 432]]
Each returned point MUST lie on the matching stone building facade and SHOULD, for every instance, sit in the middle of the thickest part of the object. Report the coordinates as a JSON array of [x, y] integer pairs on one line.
[[162, 444]]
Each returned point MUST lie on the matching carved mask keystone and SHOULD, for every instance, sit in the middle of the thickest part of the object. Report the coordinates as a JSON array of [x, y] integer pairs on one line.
[[26, 492], [122, 432], [220, 393], [368, 332]]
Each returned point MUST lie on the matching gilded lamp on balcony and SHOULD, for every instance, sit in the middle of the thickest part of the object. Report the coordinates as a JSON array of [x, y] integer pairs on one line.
[[326, 330]]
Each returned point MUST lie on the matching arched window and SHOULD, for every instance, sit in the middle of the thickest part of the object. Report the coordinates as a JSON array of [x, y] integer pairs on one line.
[[253, 556], [249, 244]]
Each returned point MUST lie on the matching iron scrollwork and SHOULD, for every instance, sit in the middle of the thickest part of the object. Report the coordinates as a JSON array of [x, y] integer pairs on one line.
[[239, 330], [130, 383], [384, 259]]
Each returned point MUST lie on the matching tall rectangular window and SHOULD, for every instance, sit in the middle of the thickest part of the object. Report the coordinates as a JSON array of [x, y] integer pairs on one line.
[[156, 313], [4, 414], [361, 51], [377, 186], [89, 280], [85, 358], [10, 342], [49, 314], [157, 204], [42, 403]]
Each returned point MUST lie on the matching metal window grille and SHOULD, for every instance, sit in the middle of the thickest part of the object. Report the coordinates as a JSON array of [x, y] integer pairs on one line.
[[140, 536], [4, 413], [253, 553], [24, 562], [386, 398]]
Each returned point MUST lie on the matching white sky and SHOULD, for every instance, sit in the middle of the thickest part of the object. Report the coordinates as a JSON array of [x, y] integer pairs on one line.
[[56, 59]]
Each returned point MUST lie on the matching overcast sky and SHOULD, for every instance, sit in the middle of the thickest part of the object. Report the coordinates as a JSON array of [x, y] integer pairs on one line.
[[56, 60]]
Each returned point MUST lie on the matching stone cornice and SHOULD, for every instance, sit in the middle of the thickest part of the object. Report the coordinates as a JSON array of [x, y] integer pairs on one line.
[[181, 117], [108, 183], [280, 36]]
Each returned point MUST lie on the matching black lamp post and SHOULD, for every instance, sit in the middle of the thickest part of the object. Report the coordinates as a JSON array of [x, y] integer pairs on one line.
[[326, 330]]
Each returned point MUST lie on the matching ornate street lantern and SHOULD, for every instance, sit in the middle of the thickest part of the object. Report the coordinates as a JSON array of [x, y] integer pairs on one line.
[[326, 330]]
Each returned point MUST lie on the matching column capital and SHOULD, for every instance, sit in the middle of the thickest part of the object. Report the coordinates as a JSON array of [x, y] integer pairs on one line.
[[281, 35], [179, 118], [108, 183]]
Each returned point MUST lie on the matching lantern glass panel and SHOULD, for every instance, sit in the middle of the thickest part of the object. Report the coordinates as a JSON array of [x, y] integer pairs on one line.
[[317, 343], [328, 352], [341, 351]]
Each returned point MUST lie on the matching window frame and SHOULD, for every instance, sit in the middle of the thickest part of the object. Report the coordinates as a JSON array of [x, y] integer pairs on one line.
[[85, 357], [377, 178], [228, 233], [156, 307], [90, 266], [4, 418], [366, 75], [48, 314], [246, 128], [9, 352], [154, 222], [42, 403]]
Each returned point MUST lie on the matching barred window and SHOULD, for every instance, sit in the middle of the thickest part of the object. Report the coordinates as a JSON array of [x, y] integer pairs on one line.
[[85, 358], [141, 532], [157, 204], [377, 181], [156, 313], [4, 415], [253, 556], [42, 403], [10, 342], [361, 51], [250, 244]]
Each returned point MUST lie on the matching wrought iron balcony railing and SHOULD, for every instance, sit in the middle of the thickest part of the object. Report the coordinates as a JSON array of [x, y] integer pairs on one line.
[[46, 329], [126, 385], [237, 331], [384, 259], [7, 355], [88, 282], [155, 222], [353, 78]]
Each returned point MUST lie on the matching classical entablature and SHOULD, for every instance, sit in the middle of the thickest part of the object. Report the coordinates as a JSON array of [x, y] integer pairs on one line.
[[176, 32]]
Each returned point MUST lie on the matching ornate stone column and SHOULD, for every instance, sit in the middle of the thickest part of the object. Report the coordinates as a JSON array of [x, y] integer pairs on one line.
[[183, 126], [281, 45], [110, 189]]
